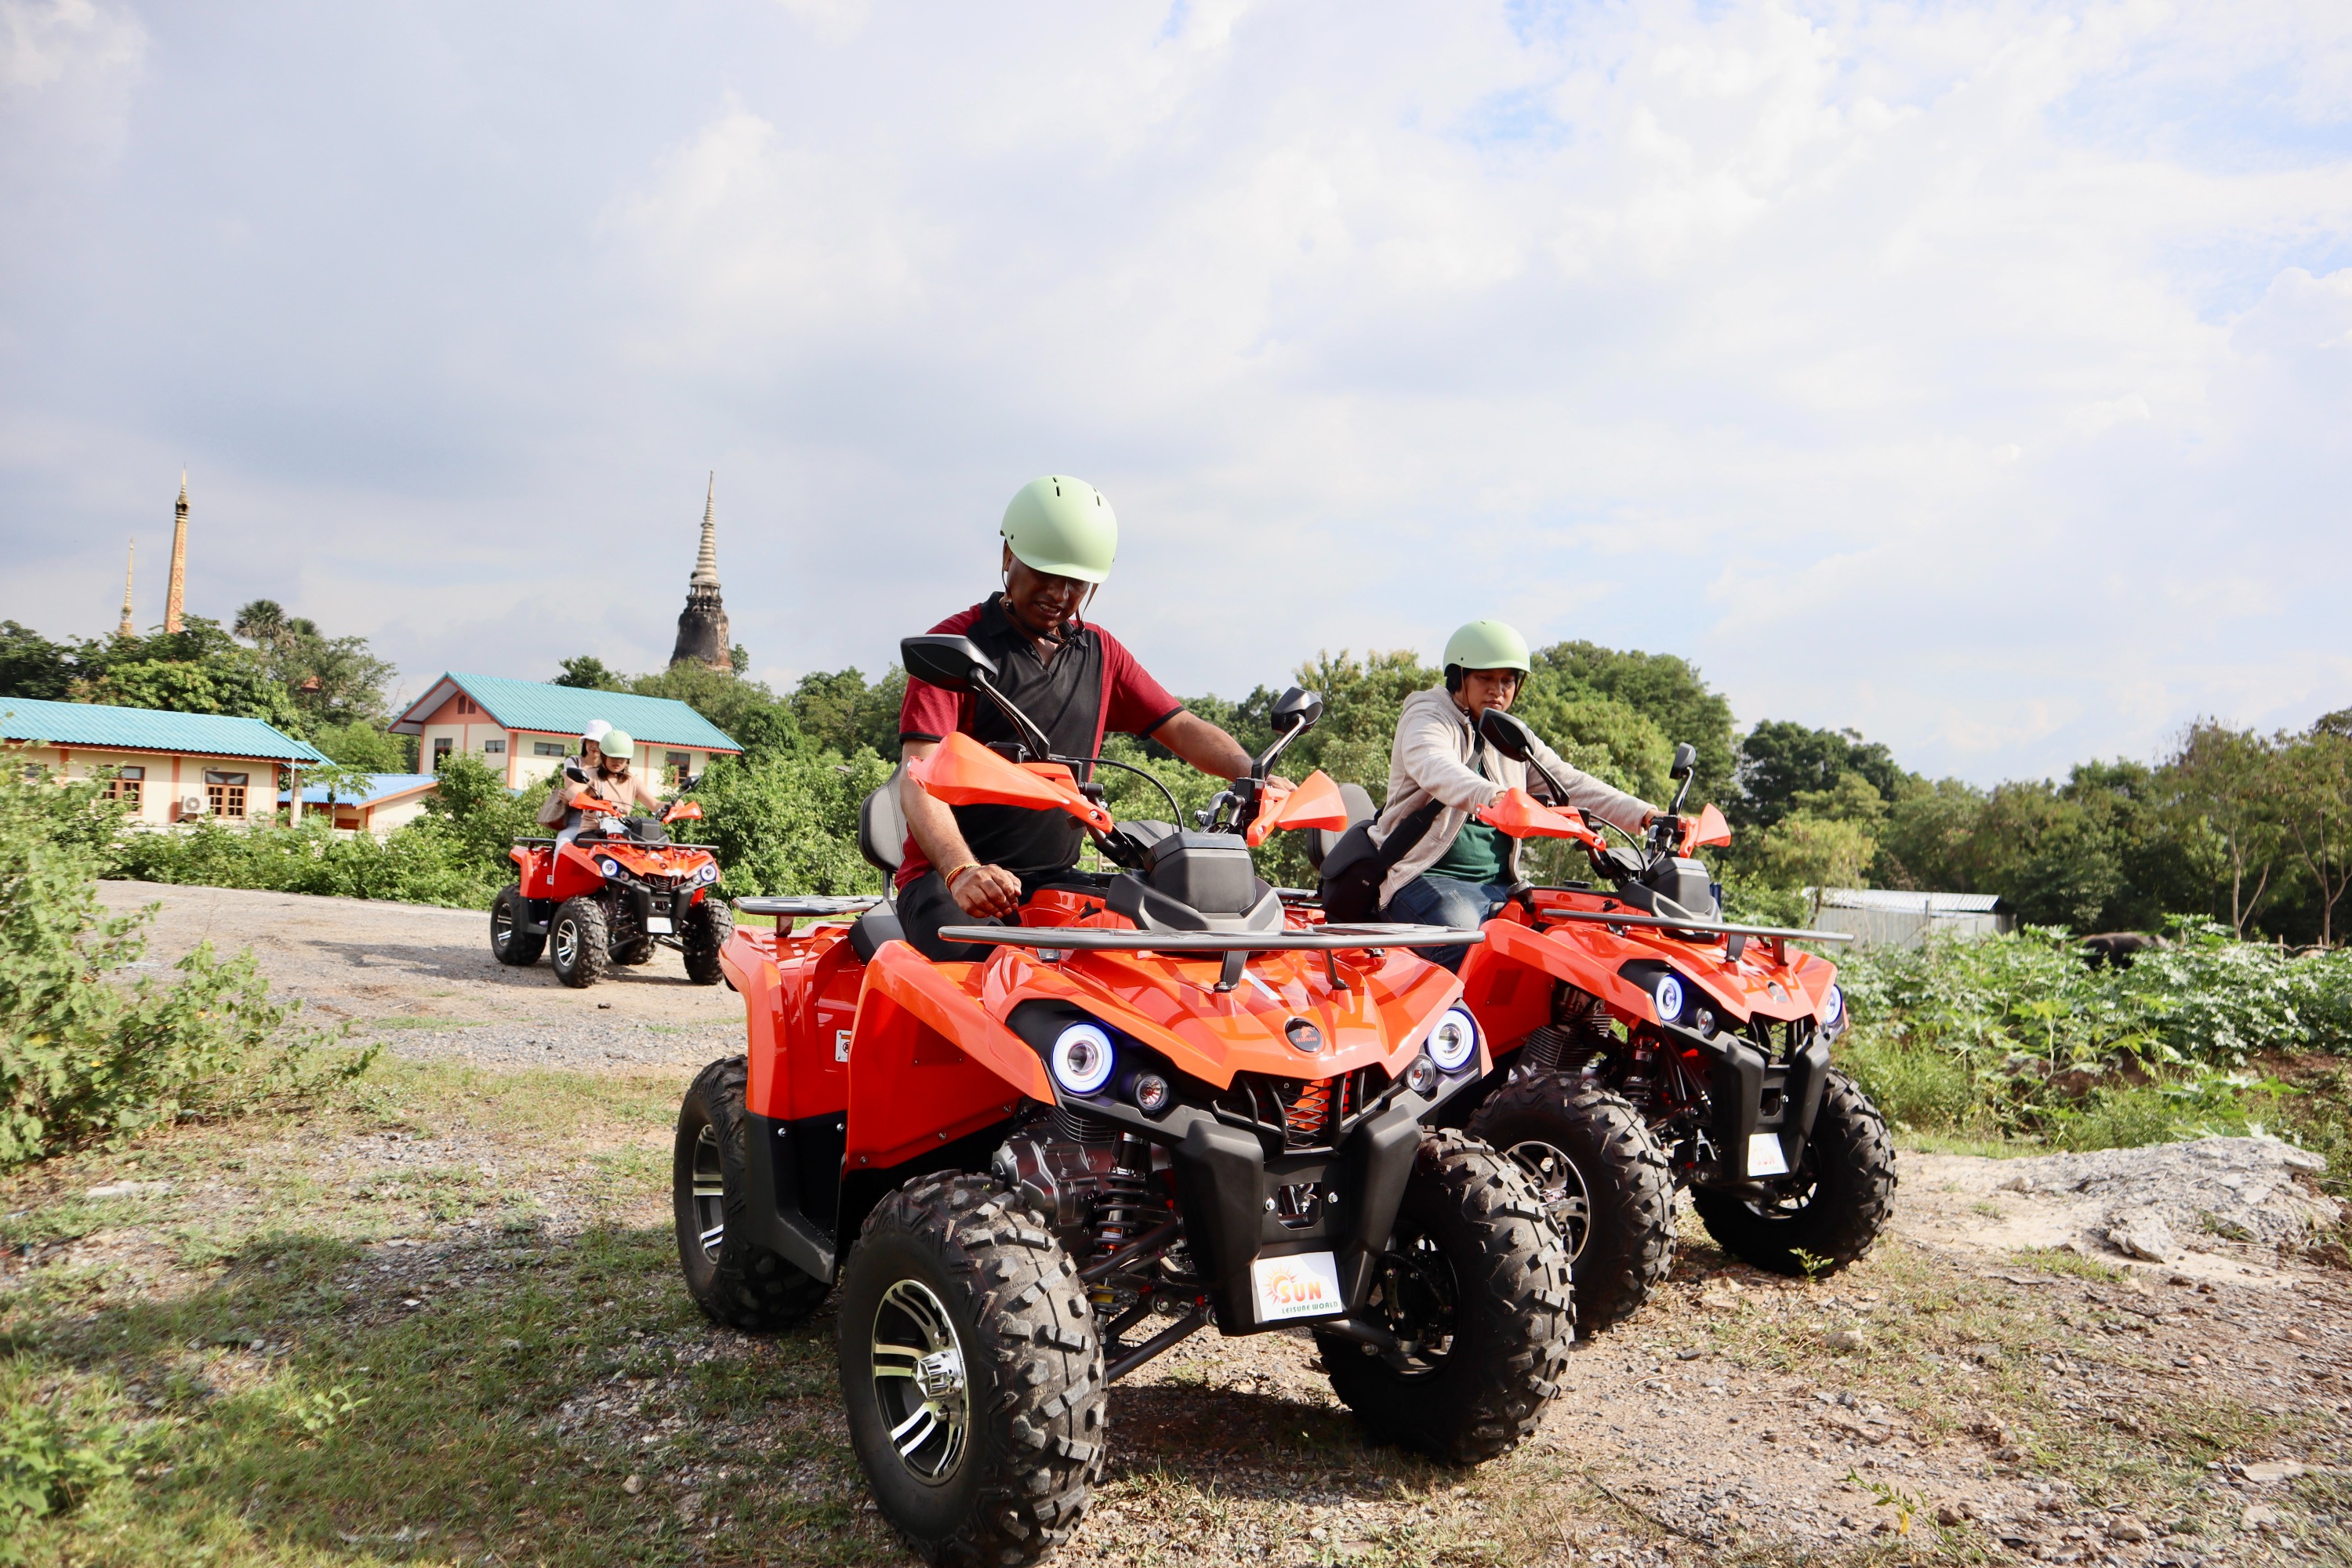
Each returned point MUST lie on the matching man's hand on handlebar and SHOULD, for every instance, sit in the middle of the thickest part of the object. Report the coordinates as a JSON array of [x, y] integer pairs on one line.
[[986, 892]]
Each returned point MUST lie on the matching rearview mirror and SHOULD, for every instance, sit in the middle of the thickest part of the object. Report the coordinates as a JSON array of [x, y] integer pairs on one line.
[[944, 661], [1297, 709], [1686, 761], [1506, 734]]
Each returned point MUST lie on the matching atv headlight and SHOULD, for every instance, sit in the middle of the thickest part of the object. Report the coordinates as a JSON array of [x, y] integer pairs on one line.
[[708, 873], [1082, 1058], [1422, 1076], [609, 867], [1454, 1040], [1834, 1008], [1668, 994]]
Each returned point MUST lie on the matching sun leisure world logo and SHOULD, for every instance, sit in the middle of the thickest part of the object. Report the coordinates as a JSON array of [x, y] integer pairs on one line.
[[1305, 1285]]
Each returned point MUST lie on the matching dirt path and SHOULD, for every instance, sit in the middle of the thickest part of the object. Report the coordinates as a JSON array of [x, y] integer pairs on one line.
[[1972, 1389], [421, 979]]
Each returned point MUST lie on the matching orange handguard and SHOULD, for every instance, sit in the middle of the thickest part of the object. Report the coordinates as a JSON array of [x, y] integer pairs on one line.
[[1315, 803], [1706, 829], [1522, 816], [962, 772]]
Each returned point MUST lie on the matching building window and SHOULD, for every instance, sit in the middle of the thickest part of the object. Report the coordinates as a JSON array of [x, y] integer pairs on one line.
[[680, 763], [466, 704], [126, 786], [442, 746], [225, 793], [547, 748], [494, 748]]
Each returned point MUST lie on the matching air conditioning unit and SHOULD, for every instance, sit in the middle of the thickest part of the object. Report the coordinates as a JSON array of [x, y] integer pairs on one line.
[[192, 805]]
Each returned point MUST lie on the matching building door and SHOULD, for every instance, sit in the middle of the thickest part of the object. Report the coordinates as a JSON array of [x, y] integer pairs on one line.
[[225, 793]]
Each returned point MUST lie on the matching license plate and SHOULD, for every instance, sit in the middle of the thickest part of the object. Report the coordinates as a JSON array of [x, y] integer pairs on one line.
[[658, 924], [1302, 1285], [1764, 1156]]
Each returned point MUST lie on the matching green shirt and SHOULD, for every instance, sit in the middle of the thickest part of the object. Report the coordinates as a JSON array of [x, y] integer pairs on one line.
[[1478, 854]]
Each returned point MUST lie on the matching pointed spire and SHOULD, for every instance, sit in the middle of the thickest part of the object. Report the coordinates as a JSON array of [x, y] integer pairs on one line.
[[176, 596], [706, 564], [129, 627]]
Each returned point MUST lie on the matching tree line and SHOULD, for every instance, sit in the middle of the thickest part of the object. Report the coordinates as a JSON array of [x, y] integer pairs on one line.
[[2253, 830]]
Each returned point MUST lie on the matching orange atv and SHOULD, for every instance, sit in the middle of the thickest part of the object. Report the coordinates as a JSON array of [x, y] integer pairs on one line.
[[612, 895], [1157, 1105], [1643, 1045]]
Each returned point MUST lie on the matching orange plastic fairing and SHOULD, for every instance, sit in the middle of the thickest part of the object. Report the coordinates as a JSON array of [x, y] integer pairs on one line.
[[1314, 803], [683, 810], [1707, 829], [1522, 816], [962, 772]]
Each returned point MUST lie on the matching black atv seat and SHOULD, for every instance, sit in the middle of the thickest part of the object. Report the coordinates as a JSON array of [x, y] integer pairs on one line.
[[872, 929], [882, 827]]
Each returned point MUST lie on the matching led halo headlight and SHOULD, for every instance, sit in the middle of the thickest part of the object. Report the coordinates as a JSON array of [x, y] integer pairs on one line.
[[1834, 1008], [1082, 1058], [1454, 1040], [1422, 1076], [710, 873], [611, 868], [1668, 996]]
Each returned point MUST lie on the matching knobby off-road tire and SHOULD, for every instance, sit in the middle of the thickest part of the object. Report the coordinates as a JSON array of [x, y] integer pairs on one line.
[[1473, 1256], [636, 952], [1850, 1162], [582, 940], [706, 925], [737, 1281], [1604, 1181], [955, 1262], [510, 943]]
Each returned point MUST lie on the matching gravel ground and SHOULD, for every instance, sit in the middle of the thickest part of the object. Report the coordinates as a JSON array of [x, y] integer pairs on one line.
[[421, 980], [1739, 1414]]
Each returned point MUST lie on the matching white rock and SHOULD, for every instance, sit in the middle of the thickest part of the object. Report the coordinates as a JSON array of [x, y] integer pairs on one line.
[[2272, 1472], [2144, 1236]]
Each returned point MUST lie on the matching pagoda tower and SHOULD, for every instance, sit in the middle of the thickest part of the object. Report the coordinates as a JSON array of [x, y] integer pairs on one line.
[[702, 625], [128, 628], [175, 596]]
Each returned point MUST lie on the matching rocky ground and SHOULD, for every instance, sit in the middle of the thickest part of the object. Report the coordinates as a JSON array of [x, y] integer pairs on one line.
[[2002, 1379]]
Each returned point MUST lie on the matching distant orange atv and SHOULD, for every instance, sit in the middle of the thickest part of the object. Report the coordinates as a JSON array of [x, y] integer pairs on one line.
[[614, 893], [1159, 1104]]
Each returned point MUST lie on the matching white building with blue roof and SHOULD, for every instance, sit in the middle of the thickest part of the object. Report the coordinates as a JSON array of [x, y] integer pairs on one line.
[[167, 767], [524, 729]]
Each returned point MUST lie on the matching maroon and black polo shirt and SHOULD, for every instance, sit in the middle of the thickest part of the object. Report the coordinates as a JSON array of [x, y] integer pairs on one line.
[[1078, 692]]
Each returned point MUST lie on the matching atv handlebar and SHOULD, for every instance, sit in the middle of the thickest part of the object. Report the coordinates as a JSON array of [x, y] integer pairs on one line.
[[1318, 939]]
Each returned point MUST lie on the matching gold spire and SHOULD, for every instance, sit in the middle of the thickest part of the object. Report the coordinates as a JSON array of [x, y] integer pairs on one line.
[[128, 628], [175, 596], [706, 564]]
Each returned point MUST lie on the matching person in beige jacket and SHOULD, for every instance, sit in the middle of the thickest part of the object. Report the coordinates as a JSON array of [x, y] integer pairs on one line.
[[1459, 870]]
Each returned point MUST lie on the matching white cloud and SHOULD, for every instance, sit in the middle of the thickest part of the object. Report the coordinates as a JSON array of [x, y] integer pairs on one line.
[[1972, 375]]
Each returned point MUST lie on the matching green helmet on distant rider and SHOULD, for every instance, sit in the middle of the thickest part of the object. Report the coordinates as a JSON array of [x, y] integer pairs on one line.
[[1484, 645], [1062, 527]]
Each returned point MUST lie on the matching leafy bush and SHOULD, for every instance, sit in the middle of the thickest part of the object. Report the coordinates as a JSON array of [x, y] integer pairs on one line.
[[422, 863], [787, 823], [84, 1058], [50, 1459], [2016, 1035]]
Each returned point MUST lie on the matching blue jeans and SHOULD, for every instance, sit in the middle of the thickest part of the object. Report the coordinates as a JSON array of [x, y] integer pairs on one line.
[[1445, 902]]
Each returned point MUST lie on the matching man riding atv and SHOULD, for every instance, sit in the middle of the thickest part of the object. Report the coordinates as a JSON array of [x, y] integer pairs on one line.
[[1436, 865], [979, 862]]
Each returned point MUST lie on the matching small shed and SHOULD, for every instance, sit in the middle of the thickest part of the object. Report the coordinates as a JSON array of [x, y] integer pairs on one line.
[[1889, 917], [389, 801]]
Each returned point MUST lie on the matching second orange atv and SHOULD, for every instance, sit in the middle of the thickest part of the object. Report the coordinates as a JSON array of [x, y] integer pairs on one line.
[[1159, 1105], [612, 895]]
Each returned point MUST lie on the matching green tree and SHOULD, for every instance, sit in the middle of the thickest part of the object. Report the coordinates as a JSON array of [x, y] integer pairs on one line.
[[215, 686], [758, 719], [588, 673], [787, 822], [2314, 781], [837, 709], [366, 747], [33, 666], [1661, 689], [1929, 839], [2226, 777], [476, 809], [1779, 759]]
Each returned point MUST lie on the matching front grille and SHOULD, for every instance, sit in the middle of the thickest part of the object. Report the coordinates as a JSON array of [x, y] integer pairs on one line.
[[1306, 1113]]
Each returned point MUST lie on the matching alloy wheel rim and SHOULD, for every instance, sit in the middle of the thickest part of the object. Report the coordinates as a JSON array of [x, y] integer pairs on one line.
[[567, 942], [709, 1193], [1567, 1200], [501, 927], [919, 1381]]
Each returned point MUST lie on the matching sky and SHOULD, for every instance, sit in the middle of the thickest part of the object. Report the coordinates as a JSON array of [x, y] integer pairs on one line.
[[1973, 375]]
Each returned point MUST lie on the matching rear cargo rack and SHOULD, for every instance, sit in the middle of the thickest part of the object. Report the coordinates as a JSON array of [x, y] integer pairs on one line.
[[1314, 939], [805, 906]]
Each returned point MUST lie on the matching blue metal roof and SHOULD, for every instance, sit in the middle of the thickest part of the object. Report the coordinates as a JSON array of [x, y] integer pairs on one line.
[[380, 787], [569, 710], [148, 729]]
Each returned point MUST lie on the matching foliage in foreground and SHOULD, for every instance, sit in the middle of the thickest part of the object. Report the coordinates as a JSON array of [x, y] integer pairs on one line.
[[83, 1057], [2016, 1036]]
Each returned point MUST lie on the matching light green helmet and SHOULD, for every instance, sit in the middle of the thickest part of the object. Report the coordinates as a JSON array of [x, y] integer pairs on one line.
[[1487, 645], [617, 745], [1062, 527]]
